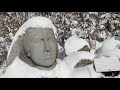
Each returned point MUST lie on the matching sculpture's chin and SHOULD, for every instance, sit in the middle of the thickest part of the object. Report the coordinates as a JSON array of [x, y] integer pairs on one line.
[[44, 62]]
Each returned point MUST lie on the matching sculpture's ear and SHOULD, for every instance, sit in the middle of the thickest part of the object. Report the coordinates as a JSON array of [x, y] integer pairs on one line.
[[15, 51]]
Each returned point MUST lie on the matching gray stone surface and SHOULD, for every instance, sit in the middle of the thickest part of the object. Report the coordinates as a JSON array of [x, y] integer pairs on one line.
[[85, 48], [82, 63]]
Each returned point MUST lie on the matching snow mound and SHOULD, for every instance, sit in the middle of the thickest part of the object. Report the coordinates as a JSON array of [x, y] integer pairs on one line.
[[33, 22], [108, 61], [73, 44], [85, 72], [110, 53], [19, 69], [109, 44], [74, 58]]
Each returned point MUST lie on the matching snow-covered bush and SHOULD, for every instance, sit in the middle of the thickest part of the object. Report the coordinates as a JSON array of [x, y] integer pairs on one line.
[[95, 27]]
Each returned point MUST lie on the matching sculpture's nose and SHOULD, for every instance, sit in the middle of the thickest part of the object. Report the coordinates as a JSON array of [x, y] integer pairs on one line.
[[46, 47]]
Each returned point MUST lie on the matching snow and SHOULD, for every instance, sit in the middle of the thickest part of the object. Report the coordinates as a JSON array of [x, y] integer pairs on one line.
[[95, 13], [33, 23], [19, 69], [98, 45], [85, 72], [74, 31], [110, 53], [78, 32], [74, 58], [106, 15], [109, 44], [102, 34], [75, 23], [73, 44], [1, 39], [11, 35]]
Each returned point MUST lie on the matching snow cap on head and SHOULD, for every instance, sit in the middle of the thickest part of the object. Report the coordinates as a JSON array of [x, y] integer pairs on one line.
[[33, 22], [73, 44]]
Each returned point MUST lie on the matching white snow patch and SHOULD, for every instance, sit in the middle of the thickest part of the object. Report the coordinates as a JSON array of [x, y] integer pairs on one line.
[[95, 13], [106, 15], [85, 72], [103, 21], [75, 22], [11, 35], [98, 45], [102, 27], [19, 69], [74, 31], [102, 34], [2, 39]]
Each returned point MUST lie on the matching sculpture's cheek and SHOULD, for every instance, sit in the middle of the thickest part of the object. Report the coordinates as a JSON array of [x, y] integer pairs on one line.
[[40, 57]]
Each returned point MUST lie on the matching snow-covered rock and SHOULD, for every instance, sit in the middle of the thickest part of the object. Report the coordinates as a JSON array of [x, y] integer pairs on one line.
[[110, 53], [74, 58], [107, 64], [73, 44], [108, 61], [86, 72], [19, 69]]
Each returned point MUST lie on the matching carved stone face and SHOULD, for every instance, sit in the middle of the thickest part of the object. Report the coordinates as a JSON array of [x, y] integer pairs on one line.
[[41, 46]]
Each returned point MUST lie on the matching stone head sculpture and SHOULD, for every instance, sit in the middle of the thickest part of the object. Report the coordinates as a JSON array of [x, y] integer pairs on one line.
[[36, 44]]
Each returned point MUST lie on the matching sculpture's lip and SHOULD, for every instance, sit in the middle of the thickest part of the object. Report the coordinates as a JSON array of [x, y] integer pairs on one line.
[[46, 57]]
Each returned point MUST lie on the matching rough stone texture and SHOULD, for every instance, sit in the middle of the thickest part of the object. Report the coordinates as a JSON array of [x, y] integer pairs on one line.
[[107, 64], [83, 63], [85, 48], [40, 43]]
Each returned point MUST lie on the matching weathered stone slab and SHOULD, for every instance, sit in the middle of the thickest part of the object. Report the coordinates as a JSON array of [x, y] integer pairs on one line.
[[106, 64]]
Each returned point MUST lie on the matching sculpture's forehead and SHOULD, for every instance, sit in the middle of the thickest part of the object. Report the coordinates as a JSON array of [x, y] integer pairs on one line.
[[40, 31]]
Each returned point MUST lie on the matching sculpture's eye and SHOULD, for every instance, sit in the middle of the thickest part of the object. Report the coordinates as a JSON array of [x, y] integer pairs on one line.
[[48, 39], [42, 39], [38, 40]]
